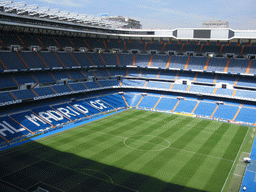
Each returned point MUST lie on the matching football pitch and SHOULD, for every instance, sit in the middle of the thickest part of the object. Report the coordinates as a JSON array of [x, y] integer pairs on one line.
[[134, 150]]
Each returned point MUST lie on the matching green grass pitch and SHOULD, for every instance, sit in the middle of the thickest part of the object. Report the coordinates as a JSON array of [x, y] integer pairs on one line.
[[134, 150]]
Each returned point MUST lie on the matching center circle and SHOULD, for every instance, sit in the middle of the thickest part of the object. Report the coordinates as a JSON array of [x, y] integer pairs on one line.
[[146, 143]]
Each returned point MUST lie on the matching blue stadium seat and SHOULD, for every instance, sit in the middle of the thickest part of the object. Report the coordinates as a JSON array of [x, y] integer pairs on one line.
[[160, 61], [226, 112], [61, 88], [11, 60], [115, 101], [166, 104], [142, 60], [50, 116], [217, 64], [148, 102], [186, 106], [125, 59], [5, 97], [67, 59], [23, 78], [69, 112], [131, 99], [197, 63], [77, 86], [247, 115], [227, 92], [110, 58], [159, 84], [50, 59], [13, 129], [205, 109], [44, 91], [82, 59], [32, 60], [149, 73], [7, 82], [178, 62], [24, 94], [98, 104]]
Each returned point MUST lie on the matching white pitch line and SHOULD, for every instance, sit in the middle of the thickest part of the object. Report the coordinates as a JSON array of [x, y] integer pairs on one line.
[[162, 145], [238, 175], [234, 161]]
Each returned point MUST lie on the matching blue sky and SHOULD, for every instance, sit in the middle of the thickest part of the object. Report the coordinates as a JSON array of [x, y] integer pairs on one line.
[[164, 14]]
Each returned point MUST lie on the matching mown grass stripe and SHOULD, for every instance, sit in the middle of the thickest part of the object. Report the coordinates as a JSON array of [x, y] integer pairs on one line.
[[80, 134], [122, 129], [218, 177], [190, 134], [152, 167], [191, 167], [222, 170], [208, 146], [235, 144]]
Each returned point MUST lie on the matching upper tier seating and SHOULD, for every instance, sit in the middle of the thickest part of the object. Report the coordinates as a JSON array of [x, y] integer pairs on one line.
[[47, 40], [246, 81], [191, 46], [197, 63], [149, 73], [96, 59], [116, 72], [167, 104], [155, 45], [125, 59], [10, 38], [67, 59], [61, 88], [110, 58], [238, 65], [173, 46], [82, 59], [109, 83], [115, 44], [160, 61], [44, 77], [231, 48], [32, 60], [135, 44], [168, 74], [94, 43], [217, 64], [76, 75], [7, 82], [77, 86], [23, 78], [142, 60], [30, 39], [160, 85], [136, 83], [24, 94], [148, 102], [186, 106], [211, 47], [11, 60], [225, 112], [178, 62], [201, 89], [44, 91], [5, 97], [50, 59]]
